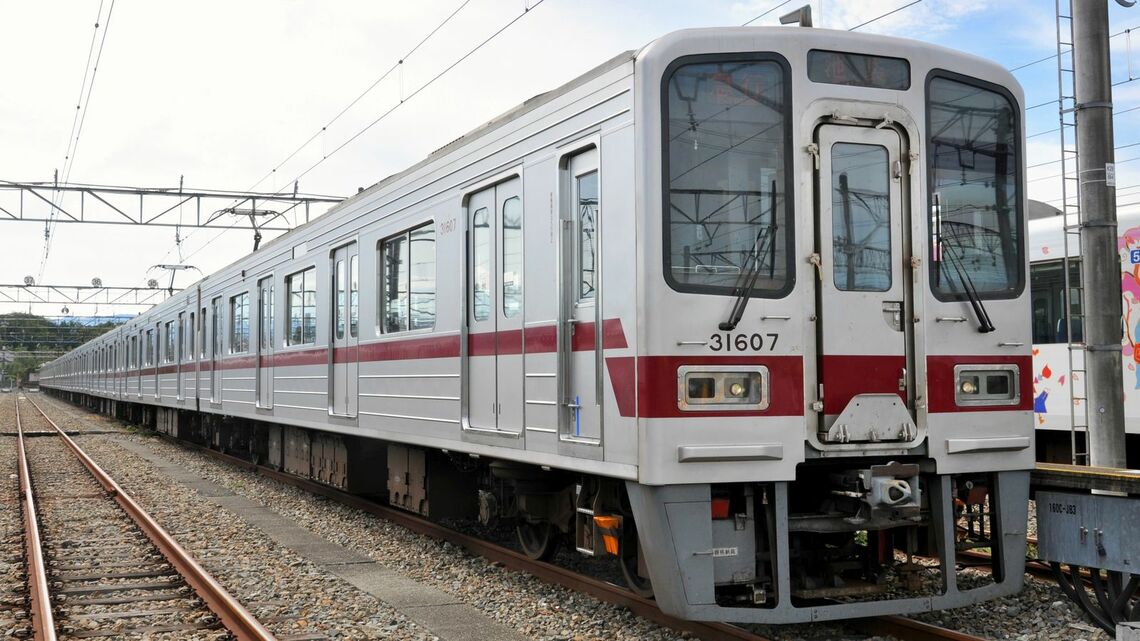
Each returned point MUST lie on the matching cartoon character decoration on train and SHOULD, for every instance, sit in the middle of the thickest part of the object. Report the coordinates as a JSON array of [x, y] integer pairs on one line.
[[1127, 244]]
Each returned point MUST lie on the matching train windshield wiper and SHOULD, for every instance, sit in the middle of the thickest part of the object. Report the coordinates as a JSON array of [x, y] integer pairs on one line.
[[951, 250], [745, 283]]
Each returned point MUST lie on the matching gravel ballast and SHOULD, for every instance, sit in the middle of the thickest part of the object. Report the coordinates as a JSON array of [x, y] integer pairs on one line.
[[533, 608]]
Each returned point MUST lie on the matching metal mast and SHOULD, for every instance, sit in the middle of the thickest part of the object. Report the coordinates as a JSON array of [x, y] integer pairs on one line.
[[1100, 269], [1071, 225]]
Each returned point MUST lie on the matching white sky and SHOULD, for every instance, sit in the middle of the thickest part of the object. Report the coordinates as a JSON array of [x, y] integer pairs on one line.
[[221, 92]]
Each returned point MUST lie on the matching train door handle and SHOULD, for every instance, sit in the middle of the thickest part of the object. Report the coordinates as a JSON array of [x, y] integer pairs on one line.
[[817, 260]]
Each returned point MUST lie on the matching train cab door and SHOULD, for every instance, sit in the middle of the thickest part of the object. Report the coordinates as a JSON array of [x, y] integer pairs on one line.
[[343, 358], [580, 339], [495, 309], [863, 286], [265, 335]]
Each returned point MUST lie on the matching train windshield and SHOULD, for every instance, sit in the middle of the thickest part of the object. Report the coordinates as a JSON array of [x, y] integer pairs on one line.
[[975, 198], [725, 173]]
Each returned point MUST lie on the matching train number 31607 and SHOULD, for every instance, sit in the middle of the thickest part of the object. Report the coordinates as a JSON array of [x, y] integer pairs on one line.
[[742, 342]]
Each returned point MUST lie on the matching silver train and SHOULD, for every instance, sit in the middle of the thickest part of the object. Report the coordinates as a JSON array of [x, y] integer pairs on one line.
[[745, 310]]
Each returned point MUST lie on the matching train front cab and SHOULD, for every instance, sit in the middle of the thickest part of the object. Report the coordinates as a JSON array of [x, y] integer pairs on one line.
[[848, 389]]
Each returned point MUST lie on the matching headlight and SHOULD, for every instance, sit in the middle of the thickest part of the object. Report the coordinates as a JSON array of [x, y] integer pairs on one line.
[[711, 387], [986, 385]]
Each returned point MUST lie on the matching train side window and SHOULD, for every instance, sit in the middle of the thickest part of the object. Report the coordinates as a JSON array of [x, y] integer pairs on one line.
[[191, 337], [239, 323], [1047, 291], [169, 335], [341, 298], [481, 264], [301, 307], [512, 257], [353, 297], [407, 280], [587, 214], [150, 347], [265, 332], [216, 326], [202, 330]]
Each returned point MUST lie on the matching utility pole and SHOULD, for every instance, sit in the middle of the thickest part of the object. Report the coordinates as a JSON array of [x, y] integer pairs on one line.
[[1100, 262]]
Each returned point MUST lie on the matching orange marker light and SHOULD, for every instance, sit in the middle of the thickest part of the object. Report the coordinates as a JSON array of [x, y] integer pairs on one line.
[[610, 529]]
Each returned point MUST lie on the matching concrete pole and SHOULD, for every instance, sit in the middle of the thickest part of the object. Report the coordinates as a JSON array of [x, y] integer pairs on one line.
[[1100, 262]]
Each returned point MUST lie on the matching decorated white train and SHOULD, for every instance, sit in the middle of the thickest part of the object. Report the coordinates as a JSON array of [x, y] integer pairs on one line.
[[745, 309], [1056, 410]]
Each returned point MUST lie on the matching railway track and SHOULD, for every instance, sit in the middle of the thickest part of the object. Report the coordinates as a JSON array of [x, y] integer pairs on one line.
[[99, 566], [895, 626]]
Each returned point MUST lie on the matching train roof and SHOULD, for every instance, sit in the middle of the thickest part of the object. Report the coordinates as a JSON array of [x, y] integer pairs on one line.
[[785, 37]]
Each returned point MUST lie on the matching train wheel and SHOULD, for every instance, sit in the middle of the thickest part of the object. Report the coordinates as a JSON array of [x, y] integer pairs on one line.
[[627, 559], [539, 541]]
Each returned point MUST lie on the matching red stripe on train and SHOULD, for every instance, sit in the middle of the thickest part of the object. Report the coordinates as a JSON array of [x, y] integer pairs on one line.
[[940, 382], [845, 376], [656, 384]]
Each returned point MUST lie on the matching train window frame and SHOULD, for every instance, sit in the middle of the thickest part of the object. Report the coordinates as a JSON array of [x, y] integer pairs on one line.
[[239, 323], [788, 219], [382, 305], [304, 274], [1018, 289]]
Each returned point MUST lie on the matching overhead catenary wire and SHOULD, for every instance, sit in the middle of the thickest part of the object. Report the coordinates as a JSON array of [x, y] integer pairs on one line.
[[76, 133], [769, 10], [877, 18], [1056, 129], [324, 129], [526, 11], [1050, 57]]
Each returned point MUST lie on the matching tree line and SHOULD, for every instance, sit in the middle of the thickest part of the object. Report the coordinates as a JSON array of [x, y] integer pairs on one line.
[[27, 340]]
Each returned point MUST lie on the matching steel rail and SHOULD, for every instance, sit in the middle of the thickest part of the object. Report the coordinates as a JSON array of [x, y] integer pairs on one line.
[[897, 626], [43, 620], [233, 615]]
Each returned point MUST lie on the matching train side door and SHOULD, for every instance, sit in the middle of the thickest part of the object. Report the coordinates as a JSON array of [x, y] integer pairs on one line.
[[495, 309], [864, 286], [343, 358], [579, 340], [265, 336]]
